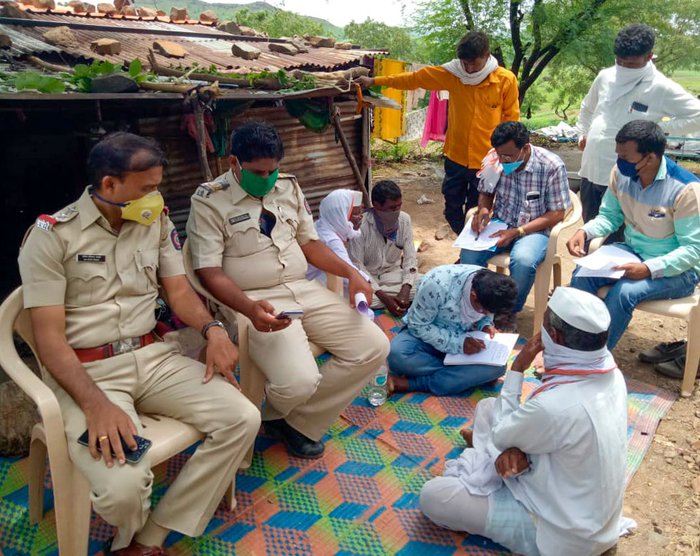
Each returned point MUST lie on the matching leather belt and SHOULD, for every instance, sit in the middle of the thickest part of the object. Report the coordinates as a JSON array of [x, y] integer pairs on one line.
[[88, 355]]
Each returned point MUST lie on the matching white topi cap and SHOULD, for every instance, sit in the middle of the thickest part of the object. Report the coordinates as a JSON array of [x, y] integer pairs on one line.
[[580, 309]]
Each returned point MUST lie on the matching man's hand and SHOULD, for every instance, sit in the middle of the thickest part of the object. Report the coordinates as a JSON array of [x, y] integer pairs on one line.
[[490, 330], [472, 345], [527, 354], [512, 462], [107, 424], [364, 81], [222, 356], [634, 271], [481, 220], [582, 142], [262, 315], [357, 284], [576, 245], [391, 303], [404, 296], [505, 237]]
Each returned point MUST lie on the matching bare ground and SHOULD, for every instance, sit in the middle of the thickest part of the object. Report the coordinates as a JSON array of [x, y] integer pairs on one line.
[[661, 496]]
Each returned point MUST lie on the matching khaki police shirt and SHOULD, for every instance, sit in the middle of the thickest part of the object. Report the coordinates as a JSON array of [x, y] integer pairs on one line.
[[223, 231], [106, 280]]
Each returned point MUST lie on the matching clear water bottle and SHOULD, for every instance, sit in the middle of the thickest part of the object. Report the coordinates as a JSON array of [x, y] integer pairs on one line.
[[376, 395]]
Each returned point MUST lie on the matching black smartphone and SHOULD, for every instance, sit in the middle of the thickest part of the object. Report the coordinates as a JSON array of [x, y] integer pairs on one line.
[[132, 456]]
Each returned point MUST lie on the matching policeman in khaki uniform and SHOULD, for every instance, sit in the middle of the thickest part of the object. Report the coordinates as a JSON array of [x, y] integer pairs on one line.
[[252, 236], [90, 277]]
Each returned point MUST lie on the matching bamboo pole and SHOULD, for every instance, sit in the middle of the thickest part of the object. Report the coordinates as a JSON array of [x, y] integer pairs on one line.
[[201, 138], [348, 153]]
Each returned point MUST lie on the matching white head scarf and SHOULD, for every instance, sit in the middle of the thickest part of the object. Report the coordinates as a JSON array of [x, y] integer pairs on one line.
[[334, 212], [455, 68]]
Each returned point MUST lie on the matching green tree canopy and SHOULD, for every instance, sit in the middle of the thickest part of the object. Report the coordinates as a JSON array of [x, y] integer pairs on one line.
[[374, 34], [279, 23]]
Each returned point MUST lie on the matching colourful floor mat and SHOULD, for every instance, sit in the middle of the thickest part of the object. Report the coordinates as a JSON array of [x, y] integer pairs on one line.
[[361, 498]]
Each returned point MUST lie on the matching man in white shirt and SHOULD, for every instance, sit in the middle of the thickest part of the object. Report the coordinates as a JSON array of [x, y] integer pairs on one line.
[[384, 250], [548, 476], [632, 89]]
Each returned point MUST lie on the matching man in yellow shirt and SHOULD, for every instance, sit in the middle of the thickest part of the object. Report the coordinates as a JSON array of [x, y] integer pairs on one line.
[[482, 95]]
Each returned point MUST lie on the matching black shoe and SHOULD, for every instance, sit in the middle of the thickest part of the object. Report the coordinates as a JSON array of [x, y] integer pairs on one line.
[[297, 444], [668, 351], [506, 322], [672, 369]]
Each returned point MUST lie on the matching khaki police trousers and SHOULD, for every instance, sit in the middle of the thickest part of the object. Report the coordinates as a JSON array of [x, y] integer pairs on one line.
[[157, 380], [308, 398]]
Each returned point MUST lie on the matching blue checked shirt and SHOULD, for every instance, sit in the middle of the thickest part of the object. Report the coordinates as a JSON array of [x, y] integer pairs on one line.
[[544, 172], [435, 315]]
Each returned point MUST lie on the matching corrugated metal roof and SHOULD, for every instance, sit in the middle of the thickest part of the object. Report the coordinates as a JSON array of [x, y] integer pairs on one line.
[[202, 51]]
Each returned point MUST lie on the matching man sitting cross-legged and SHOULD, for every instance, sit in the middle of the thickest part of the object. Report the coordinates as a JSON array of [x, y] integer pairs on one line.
[[548, 476]]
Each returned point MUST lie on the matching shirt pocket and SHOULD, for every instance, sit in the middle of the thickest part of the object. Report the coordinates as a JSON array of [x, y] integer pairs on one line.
[[288, 218], [86, 283], [147, 264], [244, 237]]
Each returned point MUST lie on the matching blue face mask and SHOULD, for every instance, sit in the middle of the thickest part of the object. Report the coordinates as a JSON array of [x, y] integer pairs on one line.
[[627, 169], [510, 167]]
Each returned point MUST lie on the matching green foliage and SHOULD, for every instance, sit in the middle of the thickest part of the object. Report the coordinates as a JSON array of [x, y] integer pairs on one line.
[[35, 81], [374, 34], [82, 76], [279, 23], [392, 152]]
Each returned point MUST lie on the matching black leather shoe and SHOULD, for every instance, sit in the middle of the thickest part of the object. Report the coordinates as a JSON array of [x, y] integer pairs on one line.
[[297, 444], [667, 351], [672, 369]]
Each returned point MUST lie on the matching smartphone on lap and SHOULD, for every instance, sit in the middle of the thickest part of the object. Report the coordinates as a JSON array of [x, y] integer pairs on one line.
[[132, 456]]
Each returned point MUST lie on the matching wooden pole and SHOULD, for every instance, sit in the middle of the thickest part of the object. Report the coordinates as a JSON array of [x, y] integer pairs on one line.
[[348, 153], [366, 150], [201, 138]]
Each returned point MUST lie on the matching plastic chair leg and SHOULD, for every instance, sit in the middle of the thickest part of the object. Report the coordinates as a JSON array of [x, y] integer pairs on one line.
[[541, 288], [692, 357], [230, 496], [72, 507], [37, 468]]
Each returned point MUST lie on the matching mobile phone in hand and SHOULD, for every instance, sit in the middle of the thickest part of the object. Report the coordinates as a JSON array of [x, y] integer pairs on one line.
[[291, 314], [132, 456]]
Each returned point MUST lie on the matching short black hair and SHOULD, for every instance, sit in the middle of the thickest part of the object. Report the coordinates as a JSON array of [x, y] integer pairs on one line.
[[575, 338], [510, 131], [255, 140], [634, 40], [474, 44], [385, 190], [496, 292], [120, 153], [648, 135]]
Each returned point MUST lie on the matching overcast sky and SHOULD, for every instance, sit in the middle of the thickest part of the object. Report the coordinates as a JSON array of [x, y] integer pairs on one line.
[[342, 12]]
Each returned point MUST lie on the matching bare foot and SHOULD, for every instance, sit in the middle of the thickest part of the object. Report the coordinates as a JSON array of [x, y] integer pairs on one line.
[[468, 435], [396, 384]]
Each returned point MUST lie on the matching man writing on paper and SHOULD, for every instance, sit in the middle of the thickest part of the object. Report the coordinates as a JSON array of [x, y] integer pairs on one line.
[[632, 89], [451, 302], [531, 197], [384, 250], [546, 477], [90, 277], [252, 238], [482, 95], [659, 202]]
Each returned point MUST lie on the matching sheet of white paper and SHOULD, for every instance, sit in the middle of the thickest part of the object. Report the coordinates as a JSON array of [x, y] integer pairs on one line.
[[608, 256], [467, 239], [496, 352], [362, 306], [600, 273]]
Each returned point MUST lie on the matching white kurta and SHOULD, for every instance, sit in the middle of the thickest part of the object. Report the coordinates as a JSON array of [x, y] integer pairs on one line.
[[654, 98], [576, 438]]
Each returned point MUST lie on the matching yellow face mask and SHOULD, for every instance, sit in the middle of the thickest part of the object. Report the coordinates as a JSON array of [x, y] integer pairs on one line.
[[144, 210]]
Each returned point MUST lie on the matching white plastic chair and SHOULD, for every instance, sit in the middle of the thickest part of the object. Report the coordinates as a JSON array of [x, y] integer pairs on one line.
[[550, 268], [71, 491], [252, 380], [685, 308]]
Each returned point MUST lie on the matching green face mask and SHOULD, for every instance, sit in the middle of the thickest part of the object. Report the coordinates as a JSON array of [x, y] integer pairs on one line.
[[257, 186]]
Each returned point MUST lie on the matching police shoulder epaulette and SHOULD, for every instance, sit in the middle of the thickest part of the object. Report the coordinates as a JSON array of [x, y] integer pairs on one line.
[[206, 189], [47, 222]]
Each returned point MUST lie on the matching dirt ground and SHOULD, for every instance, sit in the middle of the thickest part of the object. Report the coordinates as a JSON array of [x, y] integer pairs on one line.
[[661, 496]]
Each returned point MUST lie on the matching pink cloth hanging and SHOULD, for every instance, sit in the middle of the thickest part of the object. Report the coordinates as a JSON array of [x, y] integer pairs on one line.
[[435, 120]]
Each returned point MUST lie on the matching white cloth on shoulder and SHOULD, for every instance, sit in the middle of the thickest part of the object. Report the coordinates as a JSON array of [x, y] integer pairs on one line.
[[455, 68]]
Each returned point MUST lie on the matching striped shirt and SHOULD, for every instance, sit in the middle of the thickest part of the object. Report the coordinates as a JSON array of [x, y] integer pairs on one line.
[[545, 173], [662, 220]]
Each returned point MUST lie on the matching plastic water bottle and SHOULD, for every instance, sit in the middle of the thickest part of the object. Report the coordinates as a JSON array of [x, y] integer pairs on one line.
[[376, 395]]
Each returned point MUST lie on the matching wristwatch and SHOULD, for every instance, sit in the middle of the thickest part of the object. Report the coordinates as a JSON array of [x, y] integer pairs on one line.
[[207, 326], [521, 231]]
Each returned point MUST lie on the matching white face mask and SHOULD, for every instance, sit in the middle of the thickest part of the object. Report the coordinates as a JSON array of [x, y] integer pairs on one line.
[[469, 314], [557, 356]]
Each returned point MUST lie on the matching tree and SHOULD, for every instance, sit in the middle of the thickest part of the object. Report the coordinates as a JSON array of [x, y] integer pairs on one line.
[[374, 34], [279, 23], [571, 39]]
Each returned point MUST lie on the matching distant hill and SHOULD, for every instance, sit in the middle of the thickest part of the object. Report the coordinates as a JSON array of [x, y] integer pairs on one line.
[[228, 11]]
